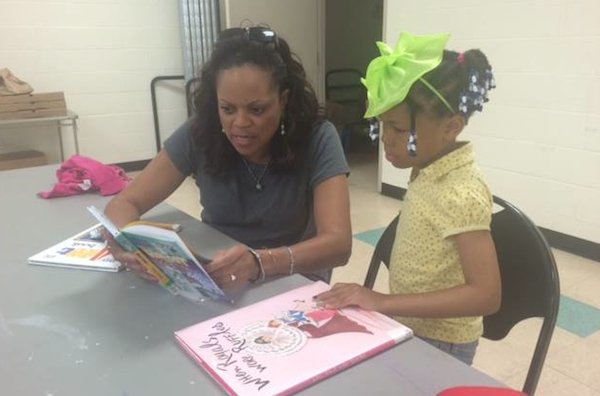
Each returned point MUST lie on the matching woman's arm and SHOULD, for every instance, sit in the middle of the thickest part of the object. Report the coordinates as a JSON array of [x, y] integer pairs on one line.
[[330, 247], [156, 182], [480, 295]]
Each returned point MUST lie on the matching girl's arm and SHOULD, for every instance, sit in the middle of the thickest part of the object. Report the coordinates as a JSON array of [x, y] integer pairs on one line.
[[480, 295]]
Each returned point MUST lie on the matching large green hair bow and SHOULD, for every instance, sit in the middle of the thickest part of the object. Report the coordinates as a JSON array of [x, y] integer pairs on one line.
[[391, 75]]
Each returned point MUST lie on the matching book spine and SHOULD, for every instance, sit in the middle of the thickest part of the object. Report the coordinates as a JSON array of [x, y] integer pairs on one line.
[[336, 369]]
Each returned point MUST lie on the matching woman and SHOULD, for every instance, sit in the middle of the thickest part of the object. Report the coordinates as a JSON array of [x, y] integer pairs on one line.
[[271, 172]]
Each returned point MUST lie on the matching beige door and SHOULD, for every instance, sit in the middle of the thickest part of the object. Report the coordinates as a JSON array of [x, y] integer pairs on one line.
[[299, 22]]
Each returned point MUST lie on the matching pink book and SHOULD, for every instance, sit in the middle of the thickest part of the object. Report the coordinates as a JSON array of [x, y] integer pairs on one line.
[[285, 343]]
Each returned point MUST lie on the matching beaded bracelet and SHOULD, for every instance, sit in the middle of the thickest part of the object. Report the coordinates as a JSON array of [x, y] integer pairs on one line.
[[272, 258], [292, 260], [261, 269]]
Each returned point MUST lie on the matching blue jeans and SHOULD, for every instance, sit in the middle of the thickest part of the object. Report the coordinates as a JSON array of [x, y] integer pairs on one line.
[[463, 352]]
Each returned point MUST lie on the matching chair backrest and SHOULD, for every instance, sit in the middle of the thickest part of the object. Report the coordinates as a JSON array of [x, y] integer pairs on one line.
[[382, 253], [343, 87], [530, 285]]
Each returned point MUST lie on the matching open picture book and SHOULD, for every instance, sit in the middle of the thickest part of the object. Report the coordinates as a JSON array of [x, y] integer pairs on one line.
[[283, 344], [86, 250], [164, 255]]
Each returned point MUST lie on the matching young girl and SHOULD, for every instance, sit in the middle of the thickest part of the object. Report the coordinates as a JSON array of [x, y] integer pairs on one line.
[[443, 271]]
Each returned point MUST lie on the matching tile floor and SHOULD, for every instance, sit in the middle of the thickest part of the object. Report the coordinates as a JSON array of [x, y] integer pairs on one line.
[[573, 362]]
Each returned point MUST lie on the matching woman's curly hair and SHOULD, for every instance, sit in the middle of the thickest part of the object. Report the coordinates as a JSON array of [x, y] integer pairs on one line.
[[302, 114]]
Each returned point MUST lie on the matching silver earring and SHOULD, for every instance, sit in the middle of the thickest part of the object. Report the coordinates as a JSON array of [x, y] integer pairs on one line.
[[282, 128], [223, 130]]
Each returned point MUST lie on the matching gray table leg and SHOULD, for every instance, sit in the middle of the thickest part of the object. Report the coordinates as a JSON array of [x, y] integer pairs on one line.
[[75, 130], [62, 151]]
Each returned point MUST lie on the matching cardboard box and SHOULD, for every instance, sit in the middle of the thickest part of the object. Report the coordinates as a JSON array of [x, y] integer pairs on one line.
[[12, 107], [16, 107], [29, 98], [22, 159], [18, 115]]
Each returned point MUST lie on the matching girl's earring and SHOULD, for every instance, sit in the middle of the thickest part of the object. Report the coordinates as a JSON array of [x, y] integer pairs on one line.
[[223, 130], [411, 146], [282, 128]]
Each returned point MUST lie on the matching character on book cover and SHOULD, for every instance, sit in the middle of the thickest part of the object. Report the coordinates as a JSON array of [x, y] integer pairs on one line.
[[290, 330], [317, 322]]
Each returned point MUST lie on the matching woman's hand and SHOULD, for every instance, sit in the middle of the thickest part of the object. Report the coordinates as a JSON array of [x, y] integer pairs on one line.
[[233, 268], [127, 259], [347, 294]]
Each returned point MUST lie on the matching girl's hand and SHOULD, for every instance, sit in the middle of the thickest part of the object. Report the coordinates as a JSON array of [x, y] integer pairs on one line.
[[347, 294], [233, 268], [127, 259]]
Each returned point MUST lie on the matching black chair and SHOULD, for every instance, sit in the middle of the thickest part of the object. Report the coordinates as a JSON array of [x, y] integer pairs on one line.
[[382, 253], [530, 284], [343, 86]]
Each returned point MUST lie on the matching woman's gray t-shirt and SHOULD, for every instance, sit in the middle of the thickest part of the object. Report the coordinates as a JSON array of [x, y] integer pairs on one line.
[[282, 213]]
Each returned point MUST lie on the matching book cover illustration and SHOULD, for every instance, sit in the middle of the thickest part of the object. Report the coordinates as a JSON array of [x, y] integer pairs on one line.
[[176, 261], [284, 344], [166, 256], [86, 250]]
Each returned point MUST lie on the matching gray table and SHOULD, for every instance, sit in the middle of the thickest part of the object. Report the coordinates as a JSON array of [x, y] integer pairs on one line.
[[71, 332]]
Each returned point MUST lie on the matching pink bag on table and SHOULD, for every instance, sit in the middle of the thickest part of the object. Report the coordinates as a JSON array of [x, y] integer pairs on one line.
[[79, 175]]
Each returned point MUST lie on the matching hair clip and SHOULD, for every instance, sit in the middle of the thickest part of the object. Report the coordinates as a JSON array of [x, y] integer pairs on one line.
[[477, 93], [473, 77], [462, 105], [411, 145], [490, 81]]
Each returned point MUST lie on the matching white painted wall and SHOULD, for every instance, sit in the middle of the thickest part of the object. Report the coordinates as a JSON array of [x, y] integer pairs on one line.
[[103, 55], [538, 140]]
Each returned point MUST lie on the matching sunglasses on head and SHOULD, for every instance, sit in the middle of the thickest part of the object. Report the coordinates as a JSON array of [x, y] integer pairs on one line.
[[256, 33]]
